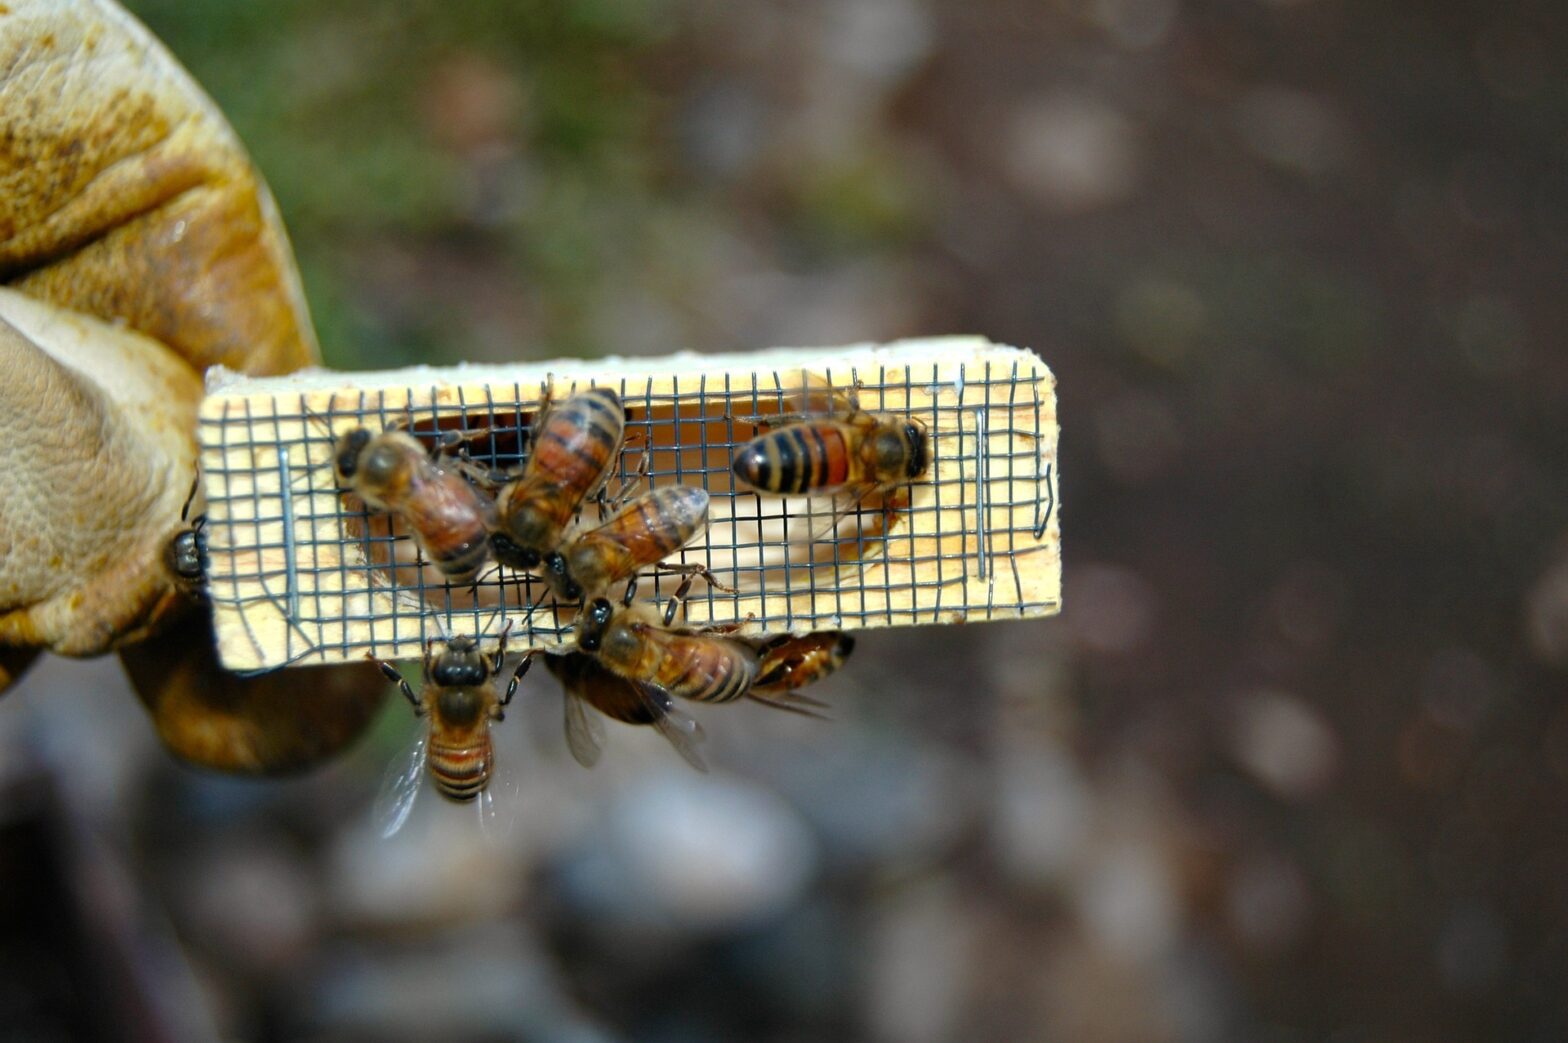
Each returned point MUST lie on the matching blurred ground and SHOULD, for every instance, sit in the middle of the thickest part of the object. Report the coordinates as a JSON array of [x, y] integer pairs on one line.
[[1293, 766]]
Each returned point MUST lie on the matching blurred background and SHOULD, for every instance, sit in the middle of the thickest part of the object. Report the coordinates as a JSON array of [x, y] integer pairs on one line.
[[1293, 765]]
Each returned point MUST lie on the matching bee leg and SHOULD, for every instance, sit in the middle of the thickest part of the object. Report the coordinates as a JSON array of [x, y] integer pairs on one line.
[[450, 440], [536, 422], [677, 601], [728, 628], [517, 675], [500, 648], [894, 502], [398, 679], [773, 419], [699, 570], [487, 478], [611, 503], [430, 648], [853, 394]]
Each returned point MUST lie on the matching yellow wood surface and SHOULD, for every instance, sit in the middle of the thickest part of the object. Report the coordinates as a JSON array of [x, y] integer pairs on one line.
[[301, 574]]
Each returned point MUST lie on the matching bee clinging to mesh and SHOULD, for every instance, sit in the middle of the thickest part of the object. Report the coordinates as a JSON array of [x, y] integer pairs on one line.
[[832, 447], [630, 641], [645, 532], [459, 704], [185, 555], [591, 687], [574, 447], [789, 663], [393, 472]]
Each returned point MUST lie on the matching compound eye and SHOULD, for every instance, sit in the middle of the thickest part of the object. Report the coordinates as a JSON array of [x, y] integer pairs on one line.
[[349, 448], [459, 673], [915, 435], [590, 632], [380, 465], [555, 565], [187, 558]]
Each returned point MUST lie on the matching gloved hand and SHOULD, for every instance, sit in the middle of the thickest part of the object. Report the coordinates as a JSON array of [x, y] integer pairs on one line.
[[138, 246]]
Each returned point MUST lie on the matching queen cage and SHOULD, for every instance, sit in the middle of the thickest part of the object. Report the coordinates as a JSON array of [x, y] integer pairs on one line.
[[300, 572]]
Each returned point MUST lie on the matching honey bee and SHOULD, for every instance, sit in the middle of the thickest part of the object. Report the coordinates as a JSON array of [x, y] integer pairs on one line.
[[575, 445], [649, 529], [392, 472], [185, 555], [827, 453], [630, 642], [588, 684], [460, 704], [789, 663]]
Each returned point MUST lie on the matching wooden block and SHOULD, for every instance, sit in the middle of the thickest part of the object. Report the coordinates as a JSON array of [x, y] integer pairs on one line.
[[301, 573]]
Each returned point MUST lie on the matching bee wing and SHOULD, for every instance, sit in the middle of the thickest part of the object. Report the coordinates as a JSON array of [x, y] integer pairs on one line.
[[400, 787], [850, 518], [682, 731], [804, 395], [584, 731], [793, 702], [496, 806]]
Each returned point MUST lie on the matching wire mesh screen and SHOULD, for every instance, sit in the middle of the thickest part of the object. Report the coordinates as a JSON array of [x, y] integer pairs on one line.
[[302, 572]]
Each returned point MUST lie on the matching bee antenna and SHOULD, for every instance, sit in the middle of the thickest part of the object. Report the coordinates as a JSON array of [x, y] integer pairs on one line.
[[317, 418], [190, 498], [529, 615]]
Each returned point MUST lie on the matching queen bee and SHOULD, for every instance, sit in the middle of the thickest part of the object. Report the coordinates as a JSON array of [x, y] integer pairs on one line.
[[835, 447]]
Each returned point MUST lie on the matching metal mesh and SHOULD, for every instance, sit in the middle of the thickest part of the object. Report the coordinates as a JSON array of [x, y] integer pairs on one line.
[[303, 573]]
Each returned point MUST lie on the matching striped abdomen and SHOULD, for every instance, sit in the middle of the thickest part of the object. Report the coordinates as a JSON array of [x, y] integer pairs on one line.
[[461, 771], [809, 456], [704, 669], [647, 531], [579, 441], [792, 662], [573, 452]]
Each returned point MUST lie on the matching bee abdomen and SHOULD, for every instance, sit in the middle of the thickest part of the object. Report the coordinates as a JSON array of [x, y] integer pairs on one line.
[[719, 679], [461, 773], [579, 439], [797, 458], [464, 560], [671, 516]]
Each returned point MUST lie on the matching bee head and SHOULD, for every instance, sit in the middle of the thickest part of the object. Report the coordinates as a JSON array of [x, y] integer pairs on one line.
[[559, 575], [844, 647], [594, 622], [350, 446], [461, 665], [186, 554]]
